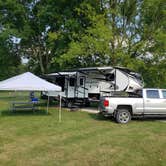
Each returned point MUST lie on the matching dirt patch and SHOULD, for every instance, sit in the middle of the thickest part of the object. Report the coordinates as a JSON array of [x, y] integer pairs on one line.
[[90, 110]]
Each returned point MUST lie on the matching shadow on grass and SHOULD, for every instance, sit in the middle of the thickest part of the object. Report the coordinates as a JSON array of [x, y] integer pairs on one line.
[[25, 113], [100, 117], [149, 119]]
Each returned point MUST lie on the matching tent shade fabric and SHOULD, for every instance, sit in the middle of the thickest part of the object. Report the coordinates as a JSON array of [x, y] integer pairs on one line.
[[28, 82]]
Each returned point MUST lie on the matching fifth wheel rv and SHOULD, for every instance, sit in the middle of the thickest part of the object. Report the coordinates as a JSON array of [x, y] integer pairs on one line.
[[89, 84]]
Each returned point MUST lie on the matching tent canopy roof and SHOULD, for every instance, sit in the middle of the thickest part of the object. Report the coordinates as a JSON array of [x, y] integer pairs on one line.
[[28, 82]]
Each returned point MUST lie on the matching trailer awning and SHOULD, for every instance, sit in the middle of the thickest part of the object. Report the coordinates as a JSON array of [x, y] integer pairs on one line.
[[62, 74]]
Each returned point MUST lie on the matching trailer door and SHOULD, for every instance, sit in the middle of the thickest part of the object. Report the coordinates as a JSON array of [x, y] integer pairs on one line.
[[81, 90], [71, 87]]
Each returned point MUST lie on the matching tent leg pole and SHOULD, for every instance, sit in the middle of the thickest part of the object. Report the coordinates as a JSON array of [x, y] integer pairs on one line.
[[60, 109], [47, 104]]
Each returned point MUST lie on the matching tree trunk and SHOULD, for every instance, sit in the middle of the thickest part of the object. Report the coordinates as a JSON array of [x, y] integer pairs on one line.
[[41, 63]]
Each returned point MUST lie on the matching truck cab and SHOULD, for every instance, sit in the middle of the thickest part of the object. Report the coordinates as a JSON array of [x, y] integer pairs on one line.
[[154, 101]]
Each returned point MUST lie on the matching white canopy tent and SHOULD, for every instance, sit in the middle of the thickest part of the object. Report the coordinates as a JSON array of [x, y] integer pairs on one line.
[[29, 82]]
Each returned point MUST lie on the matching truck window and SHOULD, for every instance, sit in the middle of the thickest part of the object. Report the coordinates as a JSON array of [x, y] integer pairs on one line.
[[164, 94], [152, 94]]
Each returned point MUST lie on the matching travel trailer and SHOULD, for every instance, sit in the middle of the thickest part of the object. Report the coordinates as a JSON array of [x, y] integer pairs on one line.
[[89, 84]]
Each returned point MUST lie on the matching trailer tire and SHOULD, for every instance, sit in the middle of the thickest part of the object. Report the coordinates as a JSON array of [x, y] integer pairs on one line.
[[87, 103], [123, 116], [69, 104]]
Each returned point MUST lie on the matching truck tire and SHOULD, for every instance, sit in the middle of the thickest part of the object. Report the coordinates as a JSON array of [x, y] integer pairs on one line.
[[123, 116]]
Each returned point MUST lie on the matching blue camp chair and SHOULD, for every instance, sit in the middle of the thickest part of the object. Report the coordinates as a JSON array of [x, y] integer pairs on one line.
[[34, 100]]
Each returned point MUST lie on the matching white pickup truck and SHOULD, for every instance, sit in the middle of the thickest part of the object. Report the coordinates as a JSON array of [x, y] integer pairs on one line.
[[148, 102]]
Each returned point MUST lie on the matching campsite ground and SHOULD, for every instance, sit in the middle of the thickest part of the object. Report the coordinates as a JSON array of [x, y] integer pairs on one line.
[[82, 138]]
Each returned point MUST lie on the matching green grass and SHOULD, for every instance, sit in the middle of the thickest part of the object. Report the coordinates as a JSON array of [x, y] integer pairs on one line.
[[81, 139]]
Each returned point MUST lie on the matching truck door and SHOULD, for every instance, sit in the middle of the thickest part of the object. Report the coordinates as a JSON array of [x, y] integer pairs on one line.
[[152, 102], [163, 101]]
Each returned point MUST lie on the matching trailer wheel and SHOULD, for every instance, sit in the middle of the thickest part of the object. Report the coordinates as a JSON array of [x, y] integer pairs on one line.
[[123, 116], [69, 104], [87, 103]]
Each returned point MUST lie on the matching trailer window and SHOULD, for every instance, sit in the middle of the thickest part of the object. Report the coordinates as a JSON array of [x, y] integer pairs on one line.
[[139, 92], [81, 81], [61, 82], [164, 94], [152, 94], [72, 81], [110, 77]]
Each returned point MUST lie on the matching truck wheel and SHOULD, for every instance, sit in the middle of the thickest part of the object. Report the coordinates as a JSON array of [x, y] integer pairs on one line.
[[123, 116]]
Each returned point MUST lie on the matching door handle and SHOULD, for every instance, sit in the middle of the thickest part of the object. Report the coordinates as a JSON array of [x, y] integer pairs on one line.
[[147, 100]]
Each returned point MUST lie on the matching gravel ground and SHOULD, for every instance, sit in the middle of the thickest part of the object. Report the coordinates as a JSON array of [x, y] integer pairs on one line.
[[86, 109], [90, 110]]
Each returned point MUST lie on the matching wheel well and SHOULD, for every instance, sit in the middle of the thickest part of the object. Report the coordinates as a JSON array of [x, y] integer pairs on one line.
[[128, 107]]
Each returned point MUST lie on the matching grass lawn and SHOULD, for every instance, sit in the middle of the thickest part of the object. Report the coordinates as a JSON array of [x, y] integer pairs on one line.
[[81, 139]]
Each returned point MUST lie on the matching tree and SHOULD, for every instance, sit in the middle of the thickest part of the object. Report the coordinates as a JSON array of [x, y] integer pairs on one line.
[[12, 16], [56, 35], [126, 33], [153, 32]]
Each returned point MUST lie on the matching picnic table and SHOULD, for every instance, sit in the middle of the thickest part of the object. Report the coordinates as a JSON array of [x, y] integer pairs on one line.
[[29, 105]]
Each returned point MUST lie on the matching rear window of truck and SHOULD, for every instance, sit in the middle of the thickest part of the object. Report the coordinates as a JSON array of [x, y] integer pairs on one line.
[[153, 94]]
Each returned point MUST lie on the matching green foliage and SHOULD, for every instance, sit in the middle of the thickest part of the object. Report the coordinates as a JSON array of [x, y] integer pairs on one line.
[[13, 18], [57, 35], [8, 61]]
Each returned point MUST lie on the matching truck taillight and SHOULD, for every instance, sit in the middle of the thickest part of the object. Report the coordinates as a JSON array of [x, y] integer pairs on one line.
[[106, 103]]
